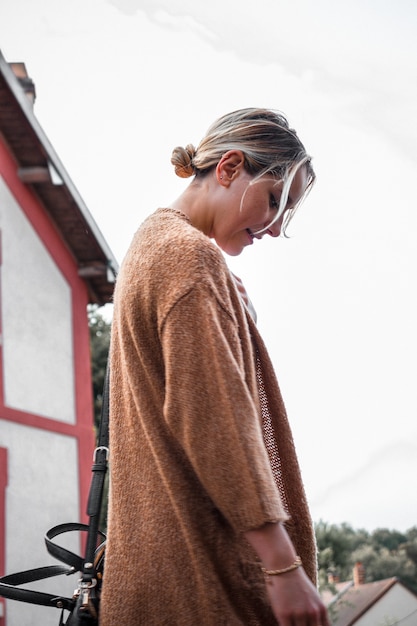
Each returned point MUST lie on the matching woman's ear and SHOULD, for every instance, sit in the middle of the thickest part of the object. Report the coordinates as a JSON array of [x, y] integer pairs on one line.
[[230, 166]]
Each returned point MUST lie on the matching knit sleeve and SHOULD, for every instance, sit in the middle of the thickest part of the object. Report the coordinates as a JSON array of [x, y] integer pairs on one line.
[[212, 410]]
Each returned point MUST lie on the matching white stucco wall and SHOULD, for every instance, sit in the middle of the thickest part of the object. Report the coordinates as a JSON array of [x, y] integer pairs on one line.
[[42, 492], [36, 320], [397, 606]]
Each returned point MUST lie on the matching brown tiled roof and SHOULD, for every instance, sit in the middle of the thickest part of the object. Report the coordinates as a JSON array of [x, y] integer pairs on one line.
[[40, 167], [348, 606]]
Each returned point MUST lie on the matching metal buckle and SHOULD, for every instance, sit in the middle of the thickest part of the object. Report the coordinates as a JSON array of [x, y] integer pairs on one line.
[[101, 448]]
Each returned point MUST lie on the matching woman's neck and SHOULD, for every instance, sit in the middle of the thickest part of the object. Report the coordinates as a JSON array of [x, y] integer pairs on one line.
[[194, 203]]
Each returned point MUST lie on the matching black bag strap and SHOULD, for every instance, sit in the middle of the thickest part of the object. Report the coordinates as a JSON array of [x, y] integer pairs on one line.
[[103, 432], [63, 554], [74, 563], [36, 597], [9, 587], [39, 573], [99, 469]]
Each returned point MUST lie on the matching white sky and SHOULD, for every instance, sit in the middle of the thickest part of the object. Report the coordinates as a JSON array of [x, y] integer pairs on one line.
[[121, 82]]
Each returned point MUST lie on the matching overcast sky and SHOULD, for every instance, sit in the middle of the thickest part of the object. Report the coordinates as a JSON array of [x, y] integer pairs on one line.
[[121, 82]]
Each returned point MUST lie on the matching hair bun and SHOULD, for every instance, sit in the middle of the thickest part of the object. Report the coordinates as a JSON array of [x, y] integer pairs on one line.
[[182, 160]]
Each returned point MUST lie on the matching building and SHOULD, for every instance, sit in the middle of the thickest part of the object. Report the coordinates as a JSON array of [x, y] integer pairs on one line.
[[53, 262], [381, 603]]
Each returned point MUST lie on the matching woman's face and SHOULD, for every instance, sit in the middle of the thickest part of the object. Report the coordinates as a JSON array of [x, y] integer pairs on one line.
[[252, 206]]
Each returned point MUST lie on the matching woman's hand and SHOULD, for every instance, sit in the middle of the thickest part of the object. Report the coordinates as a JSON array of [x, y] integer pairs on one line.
[[294, 599]]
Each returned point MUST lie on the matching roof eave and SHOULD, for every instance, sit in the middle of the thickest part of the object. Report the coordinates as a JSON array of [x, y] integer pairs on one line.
[[54, 174]]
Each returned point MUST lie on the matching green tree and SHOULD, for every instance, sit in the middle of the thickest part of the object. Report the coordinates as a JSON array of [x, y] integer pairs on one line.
[[380, 563], [389, 539], [335, 546], [384, 553], [410, 548], [99, 344]]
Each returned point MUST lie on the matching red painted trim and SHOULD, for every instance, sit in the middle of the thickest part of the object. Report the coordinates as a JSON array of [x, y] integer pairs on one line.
[[83, 392], [3, 485], [60, 253], [36, 421], [1, 326]]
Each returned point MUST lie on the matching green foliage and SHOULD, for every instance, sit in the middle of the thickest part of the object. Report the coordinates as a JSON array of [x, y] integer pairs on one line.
[[336, 545], [380, 563], [99, 343], [410, 548], [384, 553], [390, 539]]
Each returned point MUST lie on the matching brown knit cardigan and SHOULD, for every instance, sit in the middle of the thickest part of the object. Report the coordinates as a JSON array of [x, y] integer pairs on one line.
[[201, 449]]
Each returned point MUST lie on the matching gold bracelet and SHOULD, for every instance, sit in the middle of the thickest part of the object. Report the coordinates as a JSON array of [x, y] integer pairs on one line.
[[276, 572]]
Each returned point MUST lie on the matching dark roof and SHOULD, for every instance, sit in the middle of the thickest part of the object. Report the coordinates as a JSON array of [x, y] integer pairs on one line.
[[40, 167], [354, 601]]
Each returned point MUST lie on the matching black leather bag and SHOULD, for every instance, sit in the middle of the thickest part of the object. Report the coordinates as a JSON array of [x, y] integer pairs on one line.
[[83, 608]]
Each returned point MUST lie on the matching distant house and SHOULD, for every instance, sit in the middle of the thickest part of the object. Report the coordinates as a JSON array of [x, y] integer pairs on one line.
[[53, 263], [382, 603]]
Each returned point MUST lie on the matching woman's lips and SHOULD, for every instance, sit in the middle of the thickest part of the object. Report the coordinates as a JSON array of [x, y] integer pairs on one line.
[[251, 236]]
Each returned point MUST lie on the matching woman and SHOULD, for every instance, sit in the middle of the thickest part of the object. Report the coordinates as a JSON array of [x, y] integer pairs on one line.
[[208, 521]]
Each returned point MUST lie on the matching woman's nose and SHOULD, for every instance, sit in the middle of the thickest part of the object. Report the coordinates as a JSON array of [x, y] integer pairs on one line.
[[274, 229]]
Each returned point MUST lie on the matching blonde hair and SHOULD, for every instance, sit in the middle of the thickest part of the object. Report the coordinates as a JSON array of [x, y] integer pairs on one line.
[[269, 146]]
